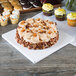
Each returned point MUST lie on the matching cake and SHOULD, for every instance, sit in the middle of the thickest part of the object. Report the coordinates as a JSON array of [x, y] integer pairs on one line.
[[71, 19], [60, 14], [48, 9], [37, 33]]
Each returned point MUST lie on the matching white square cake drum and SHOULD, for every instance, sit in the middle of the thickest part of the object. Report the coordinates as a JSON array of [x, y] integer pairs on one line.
[[37, 55]]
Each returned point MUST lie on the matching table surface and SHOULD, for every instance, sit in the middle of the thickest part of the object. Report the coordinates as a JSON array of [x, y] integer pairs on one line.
[[13, 62]]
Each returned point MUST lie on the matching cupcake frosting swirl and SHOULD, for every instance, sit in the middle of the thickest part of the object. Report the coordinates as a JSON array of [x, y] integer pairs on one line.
[[16, 12], [3, 18], [71, 15], [60, 11], [6, 13], [47, 7], [14, 16]]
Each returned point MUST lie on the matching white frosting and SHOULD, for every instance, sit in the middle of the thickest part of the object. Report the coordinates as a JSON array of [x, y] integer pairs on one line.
[[31, 2], [47, 7], [20, 33], [52, 35], [30, 20], [60, 11], [35, 5], [17, 9], [5, 9], [2, 5], [35, 39], [6, 13], [26, 8], [69, 16], [53, 27], [14, 16], [16, 12], [3, 18], [44, 37], [22, 3], [22, 25], [28, 36]]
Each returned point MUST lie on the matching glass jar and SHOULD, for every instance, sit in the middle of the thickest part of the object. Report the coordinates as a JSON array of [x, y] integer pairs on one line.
[[70, 5]]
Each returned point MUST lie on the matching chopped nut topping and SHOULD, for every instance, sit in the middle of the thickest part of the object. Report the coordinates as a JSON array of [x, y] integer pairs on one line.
[[49, 32], [35, 25], [50, 22], [23, 30], [34, 34], [38, 19], [42, 31], [38, 25], [22, 22]]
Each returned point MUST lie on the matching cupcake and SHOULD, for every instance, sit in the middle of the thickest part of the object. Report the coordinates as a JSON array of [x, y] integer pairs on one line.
[[8, 9], [60, 14], [18, 7], [7, 14], [22, 2], [6, 4], [35, 3], [47, 9], [14, 19], [71, 19], [4, 21], [1, 1], [27, 5], [31, 1], [12, 0], [15, 3], [16, 12]]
